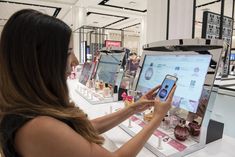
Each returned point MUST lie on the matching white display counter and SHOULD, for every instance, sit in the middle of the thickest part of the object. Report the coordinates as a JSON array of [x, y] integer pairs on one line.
[[116, 137]]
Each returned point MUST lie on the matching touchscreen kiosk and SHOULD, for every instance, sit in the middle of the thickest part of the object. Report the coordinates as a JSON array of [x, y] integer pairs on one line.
[[98, 79], [195, 63], [191, 76], [108, 67], [85, 74]]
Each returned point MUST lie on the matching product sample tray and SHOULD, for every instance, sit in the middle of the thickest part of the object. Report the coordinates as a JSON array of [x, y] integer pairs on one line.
[[170, 146], [92, 96]]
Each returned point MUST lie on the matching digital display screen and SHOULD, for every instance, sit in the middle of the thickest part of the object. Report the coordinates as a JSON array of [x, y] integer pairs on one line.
[[93, 69], [108, 67], [85, 74], [232, 57], [190, 70]]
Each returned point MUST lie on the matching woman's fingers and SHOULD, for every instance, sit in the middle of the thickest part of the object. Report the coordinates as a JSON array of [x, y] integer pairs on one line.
[[153, 90], [171, 94], [146, 101]]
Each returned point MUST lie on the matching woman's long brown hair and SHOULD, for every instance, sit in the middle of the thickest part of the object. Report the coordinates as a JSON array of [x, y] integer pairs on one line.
[[33, 58]]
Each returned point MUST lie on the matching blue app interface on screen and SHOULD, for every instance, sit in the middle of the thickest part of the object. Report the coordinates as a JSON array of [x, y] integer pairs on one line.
[[190, 70], [166, 87]]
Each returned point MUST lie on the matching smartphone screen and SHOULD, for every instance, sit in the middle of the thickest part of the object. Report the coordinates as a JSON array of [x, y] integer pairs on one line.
[[166, 87]]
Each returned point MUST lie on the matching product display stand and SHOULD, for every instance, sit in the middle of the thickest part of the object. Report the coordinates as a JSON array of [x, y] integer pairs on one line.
[[103, 88], [162, 142], [92, 96], [190, 137]]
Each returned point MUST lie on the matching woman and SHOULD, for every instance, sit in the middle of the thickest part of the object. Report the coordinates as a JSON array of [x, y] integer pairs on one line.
[[133, 63], [37, 119]]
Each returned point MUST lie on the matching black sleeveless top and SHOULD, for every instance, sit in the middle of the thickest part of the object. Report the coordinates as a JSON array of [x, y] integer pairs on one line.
[[10, 124]]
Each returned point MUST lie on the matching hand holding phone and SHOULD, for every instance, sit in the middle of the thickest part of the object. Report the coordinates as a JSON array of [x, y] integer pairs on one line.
[[168, 83]]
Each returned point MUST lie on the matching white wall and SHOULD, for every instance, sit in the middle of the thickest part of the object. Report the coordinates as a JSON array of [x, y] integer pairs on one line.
[[75, 18], [112, 35], [233, 42], [180, 19], [143, 34], [156, 20], [131, 42], [68, 19]]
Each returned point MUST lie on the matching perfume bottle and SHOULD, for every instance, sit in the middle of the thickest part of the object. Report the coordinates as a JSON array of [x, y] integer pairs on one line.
[[174, 121], [181, 132], [101, 85], [106, 91], [194, 128], [166, 123], [89, 83], [97, 87], [149, 72], [115, 93], [93, 84]]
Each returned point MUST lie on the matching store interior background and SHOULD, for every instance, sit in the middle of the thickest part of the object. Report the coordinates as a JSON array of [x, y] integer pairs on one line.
[[144, 23], [135, 23]]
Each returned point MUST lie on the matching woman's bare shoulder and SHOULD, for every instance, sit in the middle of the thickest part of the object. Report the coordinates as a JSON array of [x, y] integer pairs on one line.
[[47, 136]]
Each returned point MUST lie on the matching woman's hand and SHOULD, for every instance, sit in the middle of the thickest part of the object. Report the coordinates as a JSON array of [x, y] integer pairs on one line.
[[162, 107], [145, 102]]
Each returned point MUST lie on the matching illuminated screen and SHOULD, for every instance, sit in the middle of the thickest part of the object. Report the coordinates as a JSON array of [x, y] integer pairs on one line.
[[108, 67], [191, 71], [93, 69], [85, 74], [109, 43], [232, 57]]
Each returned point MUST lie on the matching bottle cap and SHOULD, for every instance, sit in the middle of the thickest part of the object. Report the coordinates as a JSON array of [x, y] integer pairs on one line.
[[115, 89]]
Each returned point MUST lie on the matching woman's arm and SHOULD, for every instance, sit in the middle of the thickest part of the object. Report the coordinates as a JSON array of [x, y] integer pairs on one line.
[[107, 122], [49, 137], [133, 146]]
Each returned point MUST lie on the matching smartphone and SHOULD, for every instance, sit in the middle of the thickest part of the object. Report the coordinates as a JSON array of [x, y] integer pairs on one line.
[[166, 87]]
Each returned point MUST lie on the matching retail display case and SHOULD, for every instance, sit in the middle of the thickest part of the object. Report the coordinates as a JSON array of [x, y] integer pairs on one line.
[[195, 63], [102, 87]]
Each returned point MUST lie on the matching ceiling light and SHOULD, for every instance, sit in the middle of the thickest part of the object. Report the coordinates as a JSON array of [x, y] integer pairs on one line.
[[103, 17], [132, 3], [42, 10], [205, 9]]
